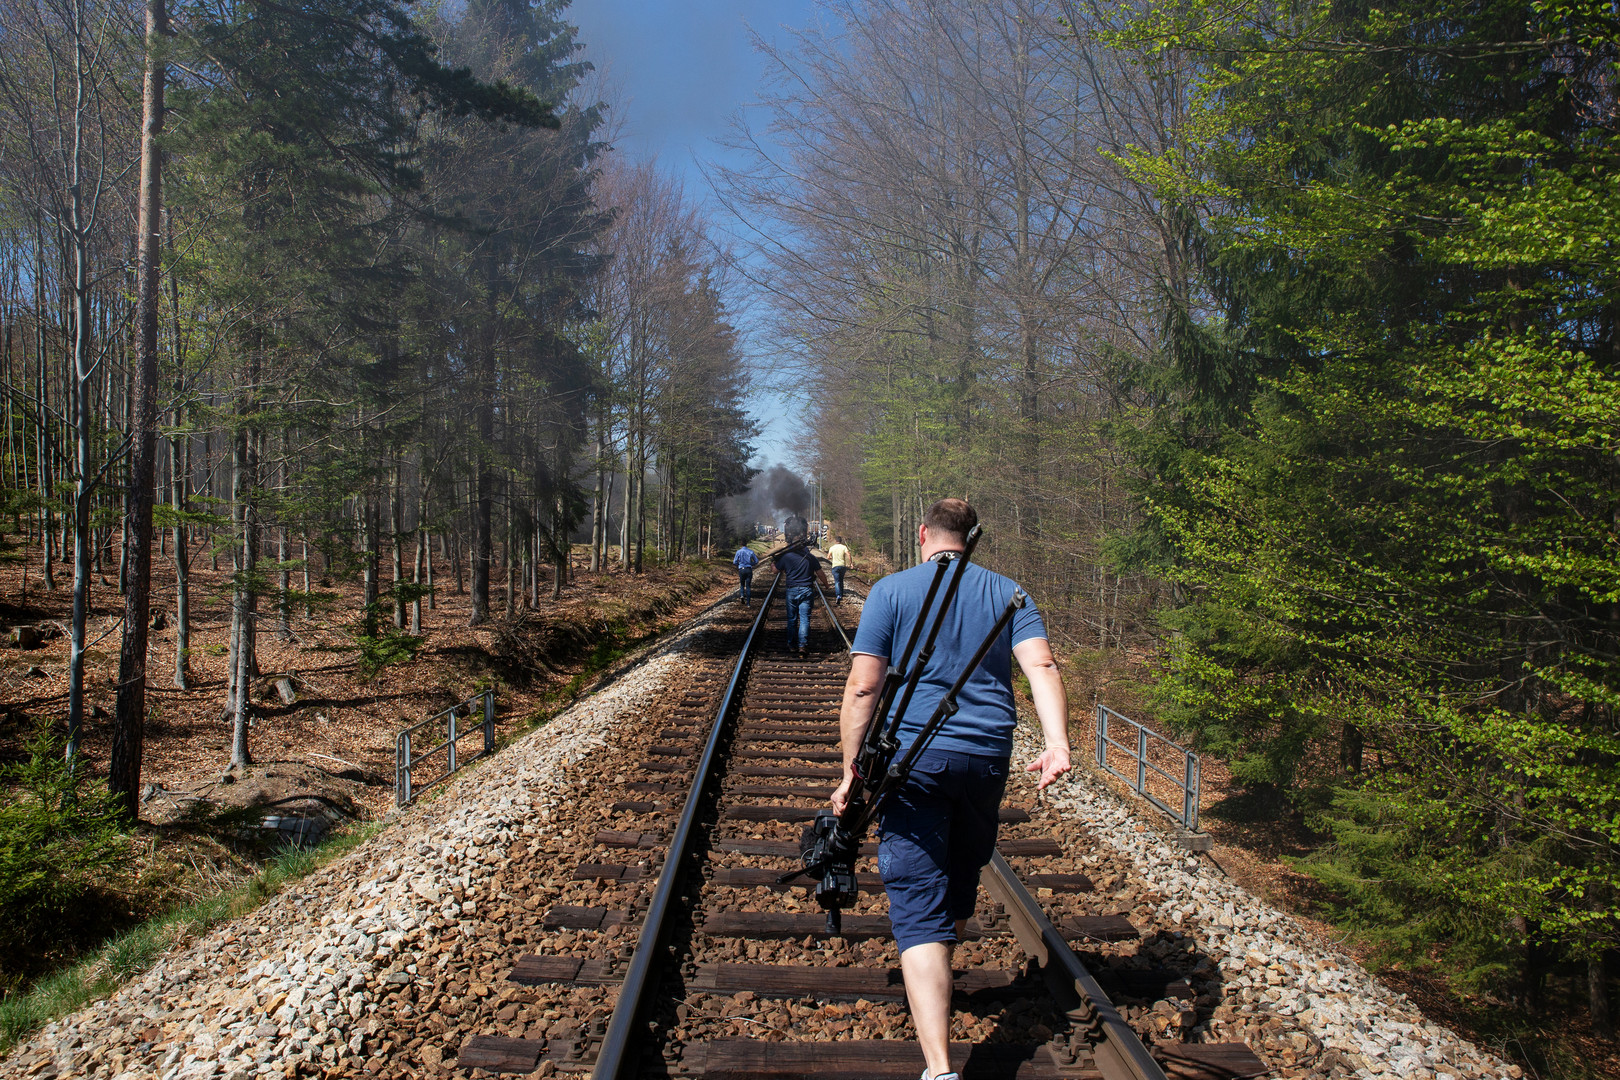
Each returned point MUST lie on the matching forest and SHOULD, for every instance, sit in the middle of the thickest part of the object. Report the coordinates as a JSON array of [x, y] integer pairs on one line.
[[316, 290], [1276, 345]]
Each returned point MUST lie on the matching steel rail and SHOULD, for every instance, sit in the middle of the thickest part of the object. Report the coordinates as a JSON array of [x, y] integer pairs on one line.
[[616, 1059], [1118, 1053], [830, 616]]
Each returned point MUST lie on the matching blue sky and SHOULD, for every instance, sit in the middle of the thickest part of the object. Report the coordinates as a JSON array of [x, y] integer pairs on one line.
[[684, 69]]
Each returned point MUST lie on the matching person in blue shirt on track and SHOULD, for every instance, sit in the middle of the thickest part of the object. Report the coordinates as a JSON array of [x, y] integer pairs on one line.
[[800, 569], [745, 560], [939, 828]]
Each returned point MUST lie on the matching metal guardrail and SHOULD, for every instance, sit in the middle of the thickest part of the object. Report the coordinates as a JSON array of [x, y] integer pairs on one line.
[[405, 760], [1139, 750]]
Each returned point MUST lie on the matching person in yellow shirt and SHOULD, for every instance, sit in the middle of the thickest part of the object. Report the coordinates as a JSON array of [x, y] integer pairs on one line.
[[841, 562]]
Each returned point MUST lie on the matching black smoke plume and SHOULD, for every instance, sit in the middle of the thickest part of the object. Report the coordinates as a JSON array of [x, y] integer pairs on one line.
[[785, 491], [774, 494]]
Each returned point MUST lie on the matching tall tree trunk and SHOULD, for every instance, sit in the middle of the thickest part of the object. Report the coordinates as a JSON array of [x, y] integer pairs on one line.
[[641, 516], [457, 548], [416, 578], [245, 597], [45, 450], [597, 502], [507, 551], [484, 496], [179, 481], [427, 536], [607, 508], [559, 528], [680, 528], [284, 584], [1600, 901], [84, 483], [629, 493], [397, 520], [369, 561], [533, 545], [432, 595], [129, 712]]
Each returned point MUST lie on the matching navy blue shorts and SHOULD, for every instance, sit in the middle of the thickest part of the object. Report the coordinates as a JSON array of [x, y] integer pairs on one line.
[[939, 831]]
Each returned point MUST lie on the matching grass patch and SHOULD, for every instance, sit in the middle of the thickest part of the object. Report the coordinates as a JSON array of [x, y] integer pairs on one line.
[[609, 651], [619, 640], [135, 950]]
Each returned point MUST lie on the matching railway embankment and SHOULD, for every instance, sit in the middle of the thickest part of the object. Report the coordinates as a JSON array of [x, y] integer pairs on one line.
[[385, 962], [364, 966], [1304, 1007]]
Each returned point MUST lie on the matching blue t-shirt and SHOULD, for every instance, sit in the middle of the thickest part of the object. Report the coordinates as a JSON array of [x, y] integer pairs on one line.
[[984, 724], [799, 565], [745, 559]]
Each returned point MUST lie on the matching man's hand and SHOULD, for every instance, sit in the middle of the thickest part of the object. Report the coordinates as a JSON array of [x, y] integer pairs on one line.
[[860, 698], [840, 797], [1051, 765], [1034, 655]]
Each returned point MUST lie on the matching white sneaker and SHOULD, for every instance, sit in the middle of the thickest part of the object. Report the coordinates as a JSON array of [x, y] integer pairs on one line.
[[940, 1076]]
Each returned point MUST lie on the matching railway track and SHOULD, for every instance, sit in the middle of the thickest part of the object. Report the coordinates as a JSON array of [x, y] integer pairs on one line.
[[688, 959]]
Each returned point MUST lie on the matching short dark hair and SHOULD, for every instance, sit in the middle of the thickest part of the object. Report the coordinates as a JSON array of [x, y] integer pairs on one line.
[[795, 527], [954, 516]]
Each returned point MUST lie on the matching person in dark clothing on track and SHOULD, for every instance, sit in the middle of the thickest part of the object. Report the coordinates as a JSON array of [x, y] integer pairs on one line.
[[745, 560], [939, 827], [800, 569]]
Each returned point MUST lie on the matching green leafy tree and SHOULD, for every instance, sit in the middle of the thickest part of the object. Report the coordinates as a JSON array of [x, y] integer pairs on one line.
[[1390, 498]]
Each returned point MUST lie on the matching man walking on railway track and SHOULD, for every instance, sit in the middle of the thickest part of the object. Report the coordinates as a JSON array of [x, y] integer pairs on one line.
[[801, 569], [745, 560], [939, 828], [841, 564]]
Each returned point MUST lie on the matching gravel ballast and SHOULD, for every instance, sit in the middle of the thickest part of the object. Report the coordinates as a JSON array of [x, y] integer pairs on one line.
[[294, 987], [1281, 992], [331, 976]]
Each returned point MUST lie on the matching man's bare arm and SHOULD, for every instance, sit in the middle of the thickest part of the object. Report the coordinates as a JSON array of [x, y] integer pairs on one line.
[[855, 716], [1051, 707]]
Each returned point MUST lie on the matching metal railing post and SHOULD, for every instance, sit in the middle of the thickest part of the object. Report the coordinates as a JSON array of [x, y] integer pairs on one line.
[[1102, 735], [404, 753], [1187, 803], [1195, 784], [453, 713], [1141, 759], [489, 721]]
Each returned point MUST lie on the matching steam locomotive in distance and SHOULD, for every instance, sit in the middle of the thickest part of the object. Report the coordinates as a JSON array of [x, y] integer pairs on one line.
[[771, 534]]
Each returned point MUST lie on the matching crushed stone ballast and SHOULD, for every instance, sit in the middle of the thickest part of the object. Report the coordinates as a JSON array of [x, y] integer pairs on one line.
[[324, 975], [1280, 989]]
